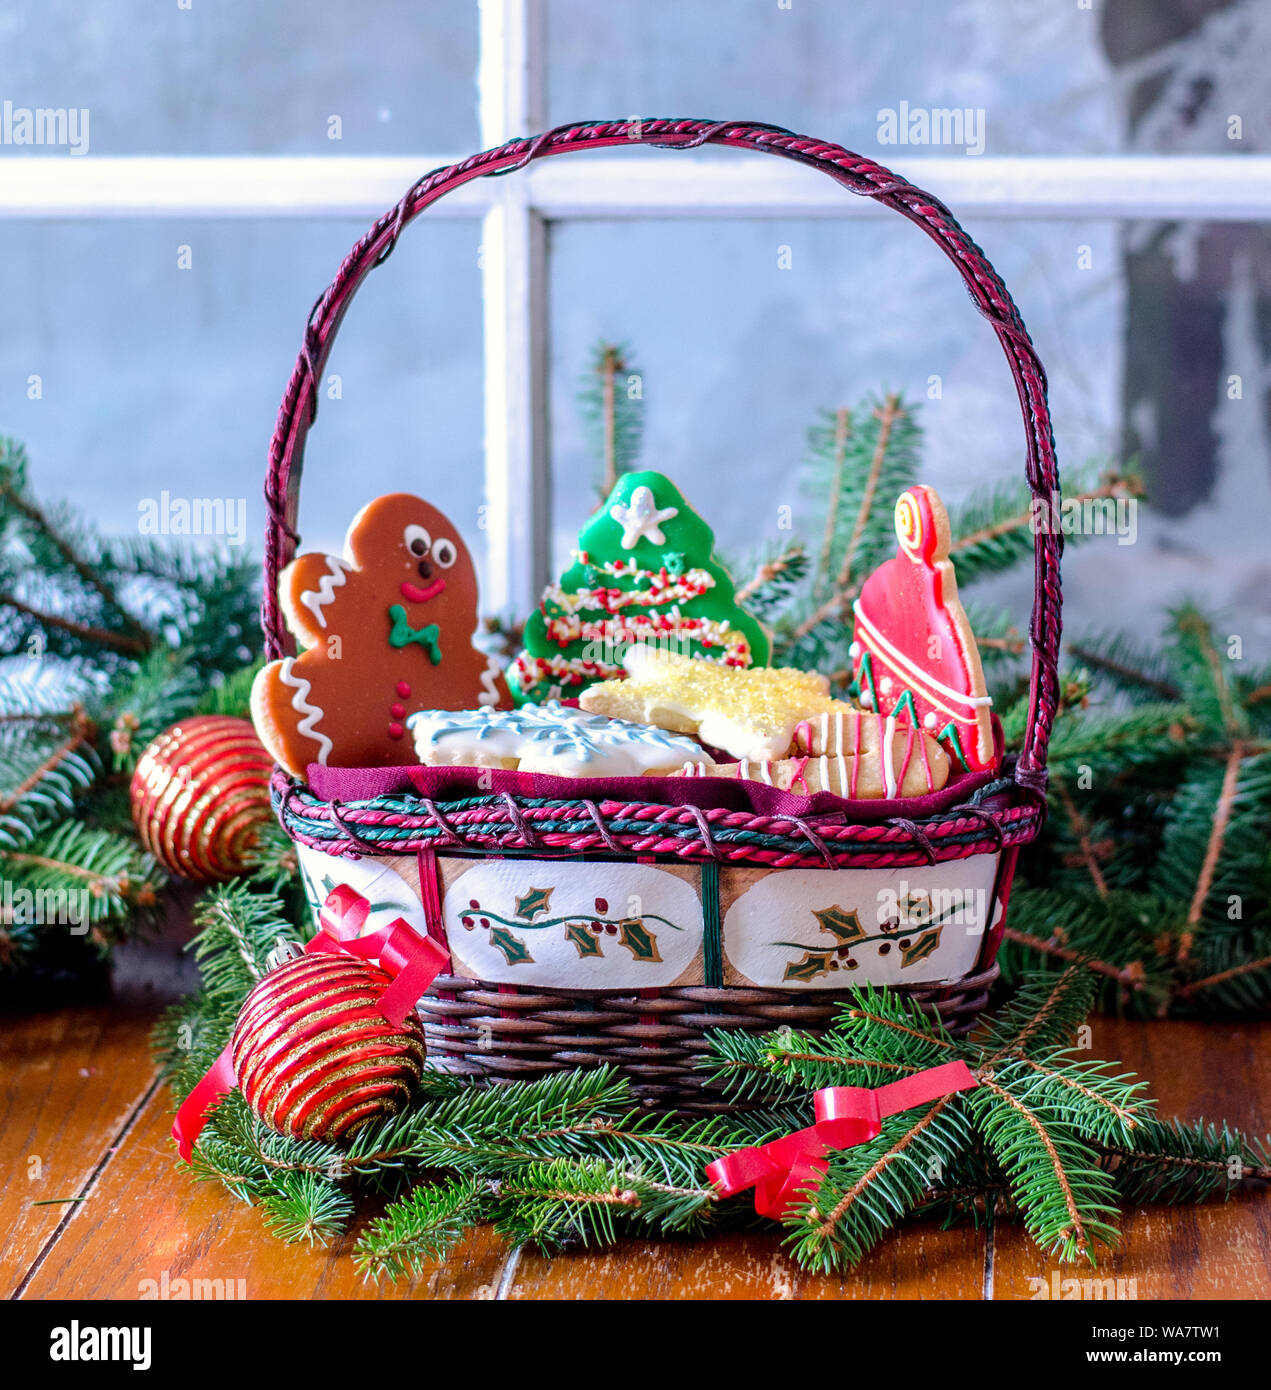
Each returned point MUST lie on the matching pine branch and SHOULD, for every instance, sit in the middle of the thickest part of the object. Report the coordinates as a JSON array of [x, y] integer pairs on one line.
[[422, 1228], [887, 415], [613, 418], [774, 581], [834, 491], [1175, 1162], [86, 632]]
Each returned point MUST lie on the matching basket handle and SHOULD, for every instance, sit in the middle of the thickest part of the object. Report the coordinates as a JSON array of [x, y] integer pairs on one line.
[[855, 173]]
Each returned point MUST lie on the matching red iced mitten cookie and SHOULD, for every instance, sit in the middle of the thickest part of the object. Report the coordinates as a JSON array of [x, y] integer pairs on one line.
[[388, 630], [913, 636]]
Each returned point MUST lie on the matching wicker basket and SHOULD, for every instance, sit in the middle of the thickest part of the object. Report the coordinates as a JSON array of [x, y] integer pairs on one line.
[[499, 1025]]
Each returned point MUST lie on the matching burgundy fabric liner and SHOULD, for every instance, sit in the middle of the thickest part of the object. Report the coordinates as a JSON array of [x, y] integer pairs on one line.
[[709, 793]]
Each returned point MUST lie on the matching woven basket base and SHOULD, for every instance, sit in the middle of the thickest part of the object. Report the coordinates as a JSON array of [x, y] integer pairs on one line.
[[474, 1029]]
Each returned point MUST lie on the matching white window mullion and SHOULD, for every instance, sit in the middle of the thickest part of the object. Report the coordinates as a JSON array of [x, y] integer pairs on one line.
[[514, 270]]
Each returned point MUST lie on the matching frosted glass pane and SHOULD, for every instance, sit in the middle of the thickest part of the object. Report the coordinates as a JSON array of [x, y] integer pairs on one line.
[[248, 78], [1044, 78], [738, 352], [154, 378]]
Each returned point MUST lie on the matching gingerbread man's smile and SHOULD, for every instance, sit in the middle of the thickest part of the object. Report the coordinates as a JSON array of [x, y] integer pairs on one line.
[[415, 594]]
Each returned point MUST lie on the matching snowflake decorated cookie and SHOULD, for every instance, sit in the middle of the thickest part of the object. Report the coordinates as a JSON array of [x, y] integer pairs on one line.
[[549, 738], [644, 572]]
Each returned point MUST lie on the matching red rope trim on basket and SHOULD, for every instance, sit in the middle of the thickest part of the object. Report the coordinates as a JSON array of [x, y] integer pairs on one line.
[[529, 837], [916, 835], [452, 836], [603, 831], [367, 846], [986, 818], [704, 826], [813, 839]]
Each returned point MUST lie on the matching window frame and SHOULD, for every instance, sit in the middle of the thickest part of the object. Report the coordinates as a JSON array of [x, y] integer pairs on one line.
[[516, 215]]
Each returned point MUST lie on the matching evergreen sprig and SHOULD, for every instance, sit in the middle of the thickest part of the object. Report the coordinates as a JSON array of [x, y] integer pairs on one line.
[[1056, 1137], [107, 643], [611, 407]]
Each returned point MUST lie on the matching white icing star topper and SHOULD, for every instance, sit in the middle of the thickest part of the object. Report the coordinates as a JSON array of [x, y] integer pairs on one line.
[[642, 519]]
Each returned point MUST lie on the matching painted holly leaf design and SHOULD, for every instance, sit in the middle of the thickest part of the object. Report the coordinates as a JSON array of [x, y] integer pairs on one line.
[[813, 964], [843, 925], [515, 951], [582, 939], [530, 904], [920, 949], [635, 936]]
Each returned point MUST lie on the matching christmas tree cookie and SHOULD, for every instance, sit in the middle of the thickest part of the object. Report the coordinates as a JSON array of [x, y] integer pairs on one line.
[[643, 571]]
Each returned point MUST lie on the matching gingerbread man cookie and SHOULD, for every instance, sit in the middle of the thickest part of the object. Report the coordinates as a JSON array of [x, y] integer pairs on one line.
[[387, 629]]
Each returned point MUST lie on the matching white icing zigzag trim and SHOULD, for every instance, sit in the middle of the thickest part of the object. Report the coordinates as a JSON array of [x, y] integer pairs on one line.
[[489, 682], [315, 600], [300, 703]]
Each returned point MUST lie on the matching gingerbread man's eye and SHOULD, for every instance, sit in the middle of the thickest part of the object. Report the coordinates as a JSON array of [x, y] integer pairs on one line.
[[444, 552], [418, 541]]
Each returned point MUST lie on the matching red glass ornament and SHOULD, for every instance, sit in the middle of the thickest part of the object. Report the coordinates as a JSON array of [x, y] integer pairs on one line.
[[199, 793], [314, 1057]]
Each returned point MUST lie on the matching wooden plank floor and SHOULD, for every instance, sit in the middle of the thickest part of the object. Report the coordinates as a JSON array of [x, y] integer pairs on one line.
[[82, 1116]]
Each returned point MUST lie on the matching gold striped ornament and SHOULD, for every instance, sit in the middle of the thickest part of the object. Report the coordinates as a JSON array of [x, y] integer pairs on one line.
[[314, 1057], [199, 793]]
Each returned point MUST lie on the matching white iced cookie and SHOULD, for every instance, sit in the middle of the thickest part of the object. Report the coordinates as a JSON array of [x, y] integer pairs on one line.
[[547, 738]]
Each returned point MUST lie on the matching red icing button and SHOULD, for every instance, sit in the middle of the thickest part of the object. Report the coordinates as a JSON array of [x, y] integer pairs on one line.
[[397, 711], [403, 690], [395, 731]]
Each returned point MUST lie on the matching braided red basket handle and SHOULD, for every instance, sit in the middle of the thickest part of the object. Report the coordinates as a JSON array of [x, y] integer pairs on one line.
[[855, 173]]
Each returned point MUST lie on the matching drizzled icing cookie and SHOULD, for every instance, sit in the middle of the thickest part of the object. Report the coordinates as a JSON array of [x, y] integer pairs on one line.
[[547, 738], [879, 759]]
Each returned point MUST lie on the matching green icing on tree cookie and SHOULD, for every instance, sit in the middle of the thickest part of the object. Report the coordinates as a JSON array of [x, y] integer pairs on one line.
[[644, 571]]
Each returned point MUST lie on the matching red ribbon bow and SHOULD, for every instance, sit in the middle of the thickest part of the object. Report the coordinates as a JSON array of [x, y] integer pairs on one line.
[[414, 961], [783, 1171]]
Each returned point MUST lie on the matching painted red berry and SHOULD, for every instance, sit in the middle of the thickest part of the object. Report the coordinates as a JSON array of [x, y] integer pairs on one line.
[[403, 689], [602, 905], [472, 902], [395, 730], [398, 711]]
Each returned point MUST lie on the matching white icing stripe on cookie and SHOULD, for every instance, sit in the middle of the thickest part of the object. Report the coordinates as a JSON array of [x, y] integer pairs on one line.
[[490, 682], [315, 600], [300, 703], [885, 758], [922, 680]]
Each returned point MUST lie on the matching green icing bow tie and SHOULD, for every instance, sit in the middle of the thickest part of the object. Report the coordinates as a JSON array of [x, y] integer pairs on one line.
[[402, 634]]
